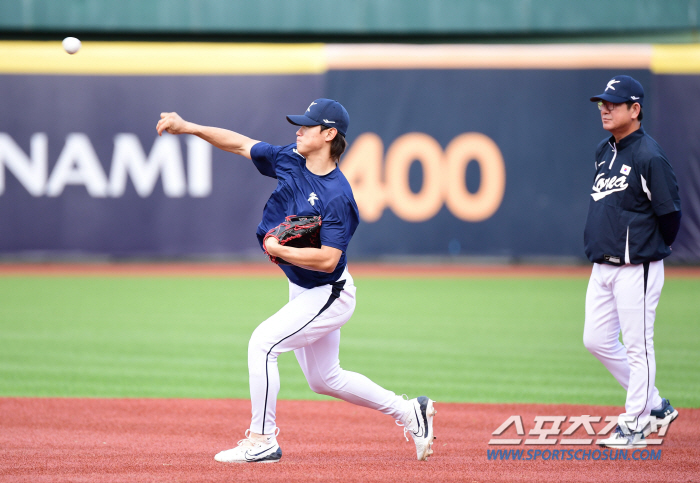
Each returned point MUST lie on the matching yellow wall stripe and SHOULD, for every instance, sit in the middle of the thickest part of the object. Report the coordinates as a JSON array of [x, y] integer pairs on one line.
[[162, 58], [549, 56], [159, 58], [676, 59]]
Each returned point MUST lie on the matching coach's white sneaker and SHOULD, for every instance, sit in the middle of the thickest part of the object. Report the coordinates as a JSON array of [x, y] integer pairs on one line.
[[419, 423], [624, 439], [253, 451]]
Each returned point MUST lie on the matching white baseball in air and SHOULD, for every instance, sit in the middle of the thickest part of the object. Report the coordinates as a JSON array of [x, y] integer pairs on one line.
[[71, 45]]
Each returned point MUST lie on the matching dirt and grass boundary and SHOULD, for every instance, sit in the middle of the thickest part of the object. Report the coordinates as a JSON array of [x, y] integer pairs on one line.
[[364, 269]]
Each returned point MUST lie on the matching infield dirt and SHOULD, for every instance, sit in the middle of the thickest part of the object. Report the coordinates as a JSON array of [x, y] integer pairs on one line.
[[143, 440]]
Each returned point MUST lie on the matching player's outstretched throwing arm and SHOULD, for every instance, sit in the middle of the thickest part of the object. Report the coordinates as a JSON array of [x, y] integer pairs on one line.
[[223, 139], [323, 259]]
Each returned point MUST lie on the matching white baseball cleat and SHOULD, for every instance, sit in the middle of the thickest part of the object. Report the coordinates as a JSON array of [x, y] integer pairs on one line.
[[624, 439], [419, 423], [253, 451]]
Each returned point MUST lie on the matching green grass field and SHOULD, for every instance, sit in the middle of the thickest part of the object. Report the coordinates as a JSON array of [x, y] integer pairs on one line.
[[459, 340]]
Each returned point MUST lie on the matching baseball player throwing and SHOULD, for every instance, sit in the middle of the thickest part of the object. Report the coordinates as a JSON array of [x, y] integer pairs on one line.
[[633, 217], [321, 290]]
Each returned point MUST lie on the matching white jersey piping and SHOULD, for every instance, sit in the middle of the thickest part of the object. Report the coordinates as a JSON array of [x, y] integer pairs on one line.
[[614, 148]]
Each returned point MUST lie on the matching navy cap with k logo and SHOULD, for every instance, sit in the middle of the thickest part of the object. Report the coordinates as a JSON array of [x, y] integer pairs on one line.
[[622, 88], [323, 112]]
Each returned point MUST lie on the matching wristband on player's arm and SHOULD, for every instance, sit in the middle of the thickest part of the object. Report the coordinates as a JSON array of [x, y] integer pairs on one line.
[[669, 225]]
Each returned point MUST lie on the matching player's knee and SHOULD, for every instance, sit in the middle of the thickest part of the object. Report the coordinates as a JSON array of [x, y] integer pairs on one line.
[[328, 386], [593, 344], [258, 344], [320, 387], [255, 343]]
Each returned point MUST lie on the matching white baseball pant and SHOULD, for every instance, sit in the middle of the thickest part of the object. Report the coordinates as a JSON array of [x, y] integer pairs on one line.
[[624, 299], [310, 326]]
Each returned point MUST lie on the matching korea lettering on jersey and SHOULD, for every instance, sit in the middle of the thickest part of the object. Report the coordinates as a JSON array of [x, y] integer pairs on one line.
[[633, 185]]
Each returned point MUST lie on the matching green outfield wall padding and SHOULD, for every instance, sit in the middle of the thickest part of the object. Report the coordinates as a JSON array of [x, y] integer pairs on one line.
[[369, 17]]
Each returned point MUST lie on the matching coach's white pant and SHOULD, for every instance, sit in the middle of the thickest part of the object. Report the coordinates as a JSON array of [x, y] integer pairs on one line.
[[310, 326], [624, 299]]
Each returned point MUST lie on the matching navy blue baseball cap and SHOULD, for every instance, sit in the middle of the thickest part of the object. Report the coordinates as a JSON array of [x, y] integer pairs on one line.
[[323, 112], [622, 88]]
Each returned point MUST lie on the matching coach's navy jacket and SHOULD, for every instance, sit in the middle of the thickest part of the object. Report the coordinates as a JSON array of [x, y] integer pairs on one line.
[[633, 185]]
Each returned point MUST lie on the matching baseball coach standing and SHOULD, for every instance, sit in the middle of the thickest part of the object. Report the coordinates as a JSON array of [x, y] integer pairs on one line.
[[633, 218]]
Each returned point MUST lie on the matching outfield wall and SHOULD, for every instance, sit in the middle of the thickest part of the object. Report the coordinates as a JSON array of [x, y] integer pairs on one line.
[[360, 17], [454, 150]]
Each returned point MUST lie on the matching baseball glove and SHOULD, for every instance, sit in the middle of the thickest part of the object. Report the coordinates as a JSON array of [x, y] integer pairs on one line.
[[295, 231]]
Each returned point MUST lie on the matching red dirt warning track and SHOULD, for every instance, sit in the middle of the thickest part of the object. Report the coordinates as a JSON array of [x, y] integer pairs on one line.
[[144, 440]]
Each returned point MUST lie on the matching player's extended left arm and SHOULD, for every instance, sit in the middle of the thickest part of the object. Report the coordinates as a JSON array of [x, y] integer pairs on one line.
[[323, 259], [223, 139]]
